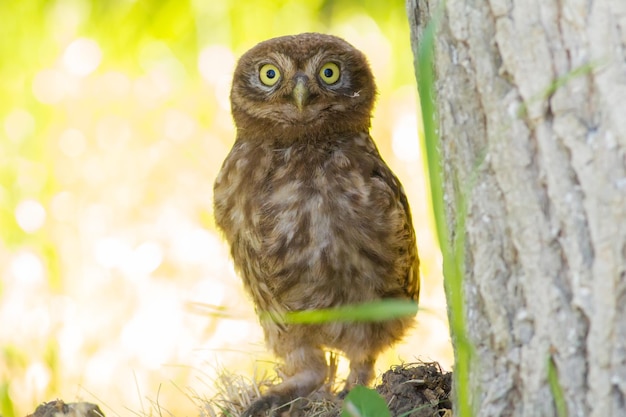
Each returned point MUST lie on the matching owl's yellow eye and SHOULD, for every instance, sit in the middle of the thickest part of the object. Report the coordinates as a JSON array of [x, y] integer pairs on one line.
[[329, 73], [269, 74]]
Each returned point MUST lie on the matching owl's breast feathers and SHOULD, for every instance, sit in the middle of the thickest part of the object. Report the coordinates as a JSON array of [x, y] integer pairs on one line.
[[316, 225]]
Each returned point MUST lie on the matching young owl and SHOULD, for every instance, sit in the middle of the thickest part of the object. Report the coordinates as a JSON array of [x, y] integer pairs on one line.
[[314, 217]]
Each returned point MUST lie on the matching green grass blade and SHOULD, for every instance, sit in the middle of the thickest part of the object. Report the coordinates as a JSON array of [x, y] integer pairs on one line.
[[556, 389], [380, 310], [453, 253]]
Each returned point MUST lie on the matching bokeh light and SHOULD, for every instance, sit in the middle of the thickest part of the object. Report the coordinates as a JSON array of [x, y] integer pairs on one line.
[[82, 57], [72, 142], [30, 215], [27, 270], [115, 286], [19, 124]]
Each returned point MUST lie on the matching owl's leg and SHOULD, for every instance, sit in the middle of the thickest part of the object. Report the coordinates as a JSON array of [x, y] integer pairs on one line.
[[305, 371], [361, 373]]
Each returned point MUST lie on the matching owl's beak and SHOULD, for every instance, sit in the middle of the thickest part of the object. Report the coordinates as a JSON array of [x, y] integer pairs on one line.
[[300, 92]]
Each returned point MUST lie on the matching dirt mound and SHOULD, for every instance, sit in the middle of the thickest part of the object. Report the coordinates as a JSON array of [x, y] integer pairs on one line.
[[58, 408], [417, 390], [410, 390]]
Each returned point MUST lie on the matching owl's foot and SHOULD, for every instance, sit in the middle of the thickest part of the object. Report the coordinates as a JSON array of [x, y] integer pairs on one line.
[[275, 405], [343, 393], [263, 404], [361, 373]]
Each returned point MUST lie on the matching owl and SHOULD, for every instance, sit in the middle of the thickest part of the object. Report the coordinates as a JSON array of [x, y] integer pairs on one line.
[[314, 217]]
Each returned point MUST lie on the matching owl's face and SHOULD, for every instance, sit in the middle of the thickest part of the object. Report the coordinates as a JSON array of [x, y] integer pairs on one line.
[[302, 85]]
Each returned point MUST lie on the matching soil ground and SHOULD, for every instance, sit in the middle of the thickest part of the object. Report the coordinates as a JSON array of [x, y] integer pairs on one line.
[[421, 387], [410, 390], [58, 408]]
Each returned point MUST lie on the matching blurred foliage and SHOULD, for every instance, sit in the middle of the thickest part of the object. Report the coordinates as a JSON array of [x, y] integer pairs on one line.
[[33, 35], [113, 123]]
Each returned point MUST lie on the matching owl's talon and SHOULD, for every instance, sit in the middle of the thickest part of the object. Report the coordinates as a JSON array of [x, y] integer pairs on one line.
[[343, 394], [271, 402]]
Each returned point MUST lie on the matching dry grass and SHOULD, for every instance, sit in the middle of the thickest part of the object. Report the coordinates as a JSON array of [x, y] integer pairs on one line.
[[235, 393]]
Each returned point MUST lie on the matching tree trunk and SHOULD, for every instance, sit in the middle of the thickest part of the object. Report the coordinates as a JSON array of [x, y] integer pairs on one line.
[[531, 97]]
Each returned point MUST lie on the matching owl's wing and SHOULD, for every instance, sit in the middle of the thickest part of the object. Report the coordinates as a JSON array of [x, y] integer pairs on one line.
[[401, 221], [413, 281]]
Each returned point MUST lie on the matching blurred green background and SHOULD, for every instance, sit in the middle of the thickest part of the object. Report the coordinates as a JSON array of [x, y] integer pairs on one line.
[[114, 119]]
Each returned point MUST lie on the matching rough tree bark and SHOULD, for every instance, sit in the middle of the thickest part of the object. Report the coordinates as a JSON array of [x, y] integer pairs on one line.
[[531, 98]]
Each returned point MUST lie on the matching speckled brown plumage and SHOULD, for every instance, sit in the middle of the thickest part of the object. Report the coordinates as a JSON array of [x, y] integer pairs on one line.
[[313, 215]]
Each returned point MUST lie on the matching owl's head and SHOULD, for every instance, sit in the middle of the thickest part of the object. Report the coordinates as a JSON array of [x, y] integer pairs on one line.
[[302, 86]]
